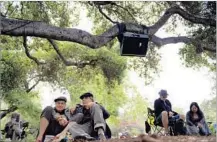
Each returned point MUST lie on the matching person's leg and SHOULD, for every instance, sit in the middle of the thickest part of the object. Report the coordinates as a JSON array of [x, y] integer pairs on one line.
[[192, 130], [81, 130], [205, 129], [97, 116], [164, 118], [63, 133], [76, 130], [98, 120], [77, 117], [73, 120], [202, 131]]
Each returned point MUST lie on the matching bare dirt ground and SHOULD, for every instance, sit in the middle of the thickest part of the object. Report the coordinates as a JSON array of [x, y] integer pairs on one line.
[[168, 139], [144, 138]]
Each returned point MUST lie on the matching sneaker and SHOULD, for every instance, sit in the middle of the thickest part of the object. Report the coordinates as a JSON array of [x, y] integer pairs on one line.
[[167, 134]]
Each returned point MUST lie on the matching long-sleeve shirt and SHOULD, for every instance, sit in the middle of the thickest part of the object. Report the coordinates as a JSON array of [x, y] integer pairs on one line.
[[160, 105], [190, 121]]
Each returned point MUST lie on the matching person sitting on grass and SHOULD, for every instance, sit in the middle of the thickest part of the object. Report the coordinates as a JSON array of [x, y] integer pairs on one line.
[[51, 124], [91, 125]]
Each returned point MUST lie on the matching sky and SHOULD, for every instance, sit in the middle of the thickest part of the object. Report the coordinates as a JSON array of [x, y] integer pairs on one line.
[[184, 85]]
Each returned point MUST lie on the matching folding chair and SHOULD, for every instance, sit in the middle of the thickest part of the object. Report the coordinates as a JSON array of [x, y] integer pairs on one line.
[[152, 126]]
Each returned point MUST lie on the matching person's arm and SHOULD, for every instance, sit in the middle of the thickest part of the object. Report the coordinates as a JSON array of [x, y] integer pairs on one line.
[[76, 114], [43, 126], [106, 114], [78, 109], [156, 107], [62, 135], [202, 118], [169, 109], [188, 121], [170, 105], [44, 122], [104, 111]]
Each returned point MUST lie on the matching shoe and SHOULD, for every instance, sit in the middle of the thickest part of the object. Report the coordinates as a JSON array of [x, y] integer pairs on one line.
[[166, 134], [88, 138], [102, 137], [101, 134], [80, 138]]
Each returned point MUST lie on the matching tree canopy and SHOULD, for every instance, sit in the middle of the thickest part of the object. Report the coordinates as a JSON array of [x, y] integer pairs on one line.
[[54, 21]]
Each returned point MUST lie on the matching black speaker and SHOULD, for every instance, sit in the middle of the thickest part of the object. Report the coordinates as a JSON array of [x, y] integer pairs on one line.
[[134, 44]]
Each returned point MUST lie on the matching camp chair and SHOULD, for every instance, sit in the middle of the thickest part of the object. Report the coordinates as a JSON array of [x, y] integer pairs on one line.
[[152, 126], [212, 127]]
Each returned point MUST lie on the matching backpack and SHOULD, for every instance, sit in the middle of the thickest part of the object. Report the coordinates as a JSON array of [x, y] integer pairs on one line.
[[179, 128]]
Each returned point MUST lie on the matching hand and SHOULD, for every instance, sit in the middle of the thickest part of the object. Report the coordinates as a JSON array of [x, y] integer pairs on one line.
[[89, 105], [59, 137], [199, 125], [63, 121], [170, 114], [39, 139], [72, 110]]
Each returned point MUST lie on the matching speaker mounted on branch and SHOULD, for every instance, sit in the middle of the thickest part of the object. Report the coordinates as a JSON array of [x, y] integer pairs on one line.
[[131, 43]]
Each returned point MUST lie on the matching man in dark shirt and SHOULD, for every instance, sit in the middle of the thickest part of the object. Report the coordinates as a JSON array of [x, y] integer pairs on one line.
[[51, 124], [93, 121], [164, 112]]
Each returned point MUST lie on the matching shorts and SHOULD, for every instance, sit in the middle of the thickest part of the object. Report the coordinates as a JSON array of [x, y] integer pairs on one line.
[[158, 120]]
